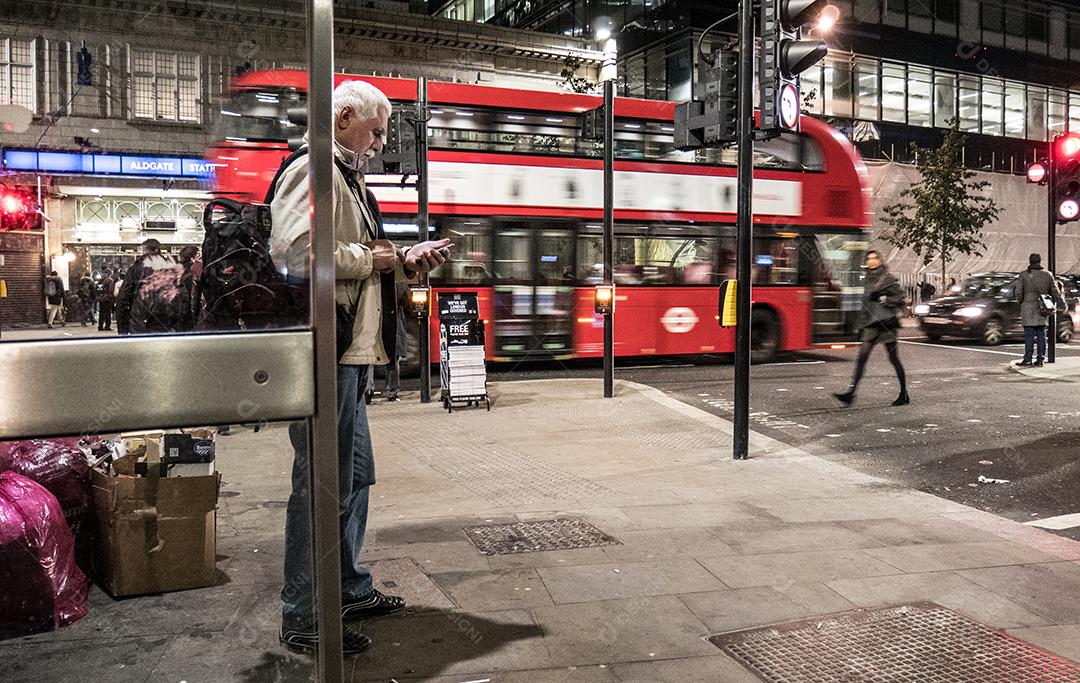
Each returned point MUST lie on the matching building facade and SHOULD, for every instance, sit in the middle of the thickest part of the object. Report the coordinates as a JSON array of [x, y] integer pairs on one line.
[[107, 107], [897, 70]]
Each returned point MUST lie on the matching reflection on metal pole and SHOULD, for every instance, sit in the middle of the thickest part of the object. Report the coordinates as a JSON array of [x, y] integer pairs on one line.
[[1051, 244], [609, 232], [422, 220], [741, 438], [323, 427]]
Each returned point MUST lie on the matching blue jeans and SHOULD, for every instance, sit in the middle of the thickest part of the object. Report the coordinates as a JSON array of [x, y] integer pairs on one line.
[[1033, 333], [357, 473]]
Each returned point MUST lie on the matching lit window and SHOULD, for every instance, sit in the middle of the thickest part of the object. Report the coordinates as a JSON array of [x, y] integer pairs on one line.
[[893, 82], [992, 107], [944, 98], [968, 101], [17, 76], [1036, 113], [919, 96], [1014, 110], [866, 89], [165, 86]]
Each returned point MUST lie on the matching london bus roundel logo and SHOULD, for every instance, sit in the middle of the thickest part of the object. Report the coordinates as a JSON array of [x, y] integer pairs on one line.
[[789, 106], [679, 320]]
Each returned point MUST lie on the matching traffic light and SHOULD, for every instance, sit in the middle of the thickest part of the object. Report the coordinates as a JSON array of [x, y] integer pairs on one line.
[[592, 124], [1066, 177], [784, 55], [19, 210], [399, 153], [714, 120]]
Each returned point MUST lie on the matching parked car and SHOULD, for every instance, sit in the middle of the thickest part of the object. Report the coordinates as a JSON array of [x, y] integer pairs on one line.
[[1070, 287], [986, 308]]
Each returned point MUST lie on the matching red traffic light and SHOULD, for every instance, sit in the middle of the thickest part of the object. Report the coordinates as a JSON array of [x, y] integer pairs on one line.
[[1069, 210], [1068, 145], [1036, 172], [18, 210]]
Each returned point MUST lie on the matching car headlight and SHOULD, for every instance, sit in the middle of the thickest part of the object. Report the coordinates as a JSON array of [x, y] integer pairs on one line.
[[970, 312], [922, 309]]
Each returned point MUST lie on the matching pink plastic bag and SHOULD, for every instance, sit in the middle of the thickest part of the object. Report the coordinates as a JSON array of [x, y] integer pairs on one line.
[[41, 588], [58, 465]]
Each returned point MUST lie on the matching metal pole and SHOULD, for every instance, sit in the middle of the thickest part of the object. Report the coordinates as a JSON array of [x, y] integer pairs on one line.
[[422, 221], [322, 439], [609, 233], [741, 438], [1051, 245]]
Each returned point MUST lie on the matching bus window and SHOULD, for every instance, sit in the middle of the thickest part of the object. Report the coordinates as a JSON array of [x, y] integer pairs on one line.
[[776, 260], [468, 261], [259, 115]]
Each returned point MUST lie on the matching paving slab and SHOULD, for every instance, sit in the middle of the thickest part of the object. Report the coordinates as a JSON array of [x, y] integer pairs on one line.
[[755, 539], [1047, 589], [739, 608], [428, 645], [934, 558], [123, 660], [610, 631], [781, 569], [1064, 640], [947, 589], [658, 544], [402, 576], [689, 670], [626, 580], [495, 589], [918, 530]]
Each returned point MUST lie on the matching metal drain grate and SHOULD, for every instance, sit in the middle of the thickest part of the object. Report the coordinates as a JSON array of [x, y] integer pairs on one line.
[[918, 642], [534, 537]]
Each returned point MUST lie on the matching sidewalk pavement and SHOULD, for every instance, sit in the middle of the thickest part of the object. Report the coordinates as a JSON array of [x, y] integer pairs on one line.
[[706, 545], [1065, 369]]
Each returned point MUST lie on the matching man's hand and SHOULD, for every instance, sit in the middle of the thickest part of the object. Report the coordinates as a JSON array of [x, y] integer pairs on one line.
[[384, 256], [425, 256]]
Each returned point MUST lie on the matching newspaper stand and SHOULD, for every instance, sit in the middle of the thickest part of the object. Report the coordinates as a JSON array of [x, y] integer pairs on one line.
[[461, 351]]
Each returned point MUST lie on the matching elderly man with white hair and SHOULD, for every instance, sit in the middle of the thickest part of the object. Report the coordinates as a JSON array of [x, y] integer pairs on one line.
[[366, 267]]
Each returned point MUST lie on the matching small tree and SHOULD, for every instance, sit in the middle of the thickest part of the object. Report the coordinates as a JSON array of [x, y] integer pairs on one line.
[[571, 80], [946, 213]]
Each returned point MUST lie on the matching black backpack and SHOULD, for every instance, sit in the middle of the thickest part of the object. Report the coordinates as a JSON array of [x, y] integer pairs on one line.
[[240, 287]]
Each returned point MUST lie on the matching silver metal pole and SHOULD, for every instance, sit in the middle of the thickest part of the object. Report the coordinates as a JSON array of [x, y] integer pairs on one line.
[[1051, 244], [422, 220], [323, 426], [609, 233], [745, 227]]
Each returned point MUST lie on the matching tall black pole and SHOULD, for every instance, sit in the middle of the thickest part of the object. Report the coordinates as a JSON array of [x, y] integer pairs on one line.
[[609, 233], [422, 223], [1051, 244], [741, 438]]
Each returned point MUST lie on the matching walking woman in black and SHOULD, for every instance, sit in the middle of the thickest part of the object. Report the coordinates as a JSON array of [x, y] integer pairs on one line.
[[882, 299]]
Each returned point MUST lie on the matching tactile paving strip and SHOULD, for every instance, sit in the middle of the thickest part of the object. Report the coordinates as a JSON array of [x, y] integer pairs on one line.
[[921, 642], [534, 537]]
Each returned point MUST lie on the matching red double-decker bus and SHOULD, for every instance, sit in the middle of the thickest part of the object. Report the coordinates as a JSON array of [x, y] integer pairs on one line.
[[519, 192]]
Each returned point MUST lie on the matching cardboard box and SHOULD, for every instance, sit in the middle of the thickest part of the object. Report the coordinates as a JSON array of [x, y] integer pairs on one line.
[[155, 534]]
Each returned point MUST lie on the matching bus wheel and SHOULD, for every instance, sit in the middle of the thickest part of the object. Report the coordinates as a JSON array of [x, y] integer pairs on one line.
[[764, 336]]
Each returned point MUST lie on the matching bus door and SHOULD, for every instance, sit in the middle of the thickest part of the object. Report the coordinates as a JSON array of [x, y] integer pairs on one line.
[[534, 290]]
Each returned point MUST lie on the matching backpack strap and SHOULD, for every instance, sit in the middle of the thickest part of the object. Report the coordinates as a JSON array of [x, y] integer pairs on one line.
[[281, 170]]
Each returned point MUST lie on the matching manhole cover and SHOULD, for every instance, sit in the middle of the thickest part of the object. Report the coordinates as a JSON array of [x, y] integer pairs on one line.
[[533, 537], [919, 642]]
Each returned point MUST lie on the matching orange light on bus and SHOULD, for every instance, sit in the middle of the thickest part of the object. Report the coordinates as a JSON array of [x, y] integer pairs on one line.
[[838, 347], [585, 321]]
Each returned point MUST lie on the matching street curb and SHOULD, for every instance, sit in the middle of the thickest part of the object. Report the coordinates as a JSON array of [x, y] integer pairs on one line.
[[1049, 373]]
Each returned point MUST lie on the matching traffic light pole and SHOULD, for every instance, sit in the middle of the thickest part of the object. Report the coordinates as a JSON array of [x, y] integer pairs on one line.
[[609, 232], [741, 438], [422, 223], [1051, 243]]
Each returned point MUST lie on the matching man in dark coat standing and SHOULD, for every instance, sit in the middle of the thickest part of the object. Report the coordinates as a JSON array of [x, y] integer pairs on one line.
[[106, 297], [882, 299], [1033, 284]]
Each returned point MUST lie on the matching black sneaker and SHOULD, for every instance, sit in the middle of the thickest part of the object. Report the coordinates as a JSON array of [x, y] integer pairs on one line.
[[305, 641], [374, 604], [846, 398], [1038, 363], [902, 400], [1024, 364]]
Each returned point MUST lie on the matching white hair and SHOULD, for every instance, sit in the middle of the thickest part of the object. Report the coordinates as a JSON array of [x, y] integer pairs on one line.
[[363, 98]]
